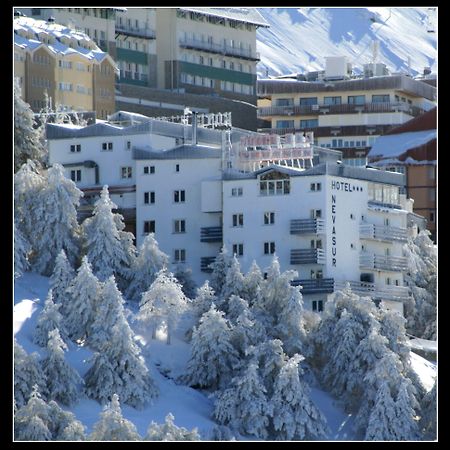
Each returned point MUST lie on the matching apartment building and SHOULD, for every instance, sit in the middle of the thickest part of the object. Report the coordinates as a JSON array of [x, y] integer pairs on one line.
[[64, 63], [198, 189], [346, 113], [411, 149]]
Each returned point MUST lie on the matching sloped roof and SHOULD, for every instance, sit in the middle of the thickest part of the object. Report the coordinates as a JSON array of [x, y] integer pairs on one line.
[[180, 152], [248, 15]]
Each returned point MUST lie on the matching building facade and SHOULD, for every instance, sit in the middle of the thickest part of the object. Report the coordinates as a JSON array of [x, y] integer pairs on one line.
[[66, 64]]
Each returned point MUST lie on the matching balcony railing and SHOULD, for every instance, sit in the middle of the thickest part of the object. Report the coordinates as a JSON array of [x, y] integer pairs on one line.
[[307, 226], [396, 293], [211, 234], [205, 262], [299, 110], [382, 233], [380, 262], [317, 286], [134, 31], [220, 48], [308, 256]]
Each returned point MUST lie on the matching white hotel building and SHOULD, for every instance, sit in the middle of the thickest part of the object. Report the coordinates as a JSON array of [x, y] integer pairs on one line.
[[198, 189]]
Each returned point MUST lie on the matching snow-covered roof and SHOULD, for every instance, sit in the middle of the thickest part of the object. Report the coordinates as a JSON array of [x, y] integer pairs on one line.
[[248, 15], [186, 151], [35, 30], [394, 145]]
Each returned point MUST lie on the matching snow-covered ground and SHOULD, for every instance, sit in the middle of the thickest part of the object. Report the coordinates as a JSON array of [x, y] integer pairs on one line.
[[190, 407], [299, 38]]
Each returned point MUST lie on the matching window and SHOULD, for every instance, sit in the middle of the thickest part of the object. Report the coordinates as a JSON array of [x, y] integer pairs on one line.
[[432, 195], [177, 167], [126, 172], [397, 282], [308, 101], [149, 226], [128, 145], [269, 248], [317, 305], [316, 243], [236, 192], [309, 123], [179, 226], [386, 222], [75, 148], [107, 146], [274, 183], [284, 102], [356, 99], [316, 187], [238, 220], [238, 249], [149, 169], [384, 98], [75, 175], [332, 100], [388, 281], [269, 218], [179, 196], [179, 255], [432, 216], [431, 172], [149, 197], [285, 124], [316, 213]]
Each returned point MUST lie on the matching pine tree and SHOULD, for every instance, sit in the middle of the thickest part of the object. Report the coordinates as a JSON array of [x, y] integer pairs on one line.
[[60, 280], [212, 354], [405, 425], [234, 281], [119, 368], [27, 373], [168, 431], [49, 319], [62, 379], [204, 299], [382, 416], [63, 424], [112, 426], [220, 267], [253, 283], [244, 406], [56, 225], [164, 302], [83, 295], [21, 250], [107, 245], [184, 277], [428, 420], [294, 414], [27, 143]]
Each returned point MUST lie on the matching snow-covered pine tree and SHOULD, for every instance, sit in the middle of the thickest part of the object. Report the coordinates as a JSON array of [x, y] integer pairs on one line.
[[184, 276], [382, 416], [60, 280], [220, 267], [57, 225], [108, 311], [213, 357], [63, 424], [27, 144], [253, 283], [118, 367], [428, 420], [149, 261], [49, 319], [107, 248], [21, 250], [83, 292], [27, 373], [422, 279], [295, 417], [244, 406], [164, 302], [406, 424], [62, 379], [112, 426], [168, 431], [233, 284], [204, 299]]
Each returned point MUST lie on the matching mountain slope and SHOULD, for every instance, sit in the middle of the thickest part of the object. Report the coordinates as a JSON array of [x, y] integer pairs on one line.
[[299, 39]]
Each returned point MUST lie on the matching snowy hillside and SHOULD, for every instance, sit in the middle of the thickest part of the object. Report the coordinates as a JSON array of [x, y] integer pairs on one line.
[[299, 38]]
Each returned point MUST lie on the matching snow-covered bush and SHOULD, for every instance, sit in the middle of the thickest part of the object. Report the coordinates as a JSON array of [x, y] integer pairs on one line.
[[168, 431]]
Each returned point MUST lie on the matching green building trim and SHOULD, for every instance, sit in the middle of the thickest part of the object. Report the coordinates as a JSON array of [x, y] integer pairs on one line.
[[217, 73], [134, 56]]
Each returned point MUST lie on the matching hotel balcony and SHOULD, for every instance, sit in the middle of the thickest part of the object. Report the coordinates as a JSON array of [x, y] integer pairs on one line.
[[317, 286], [372, 261], [211, 234], [299, 110], [308, 256], [136, 32], [382, 233], [395, 293], [205, 261], [225, 50], [307, 226]]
